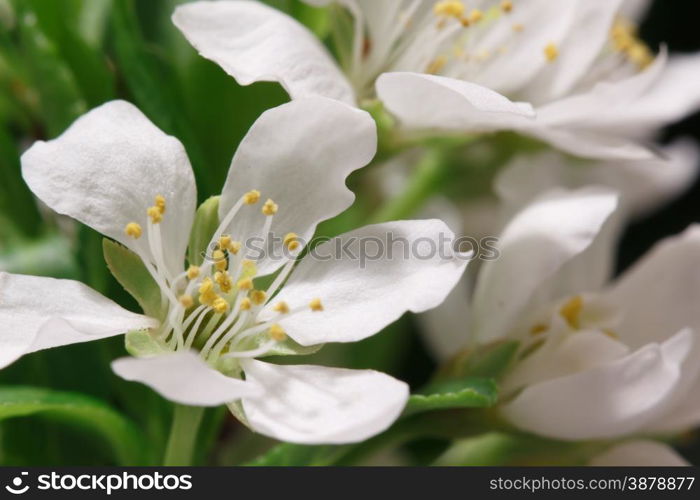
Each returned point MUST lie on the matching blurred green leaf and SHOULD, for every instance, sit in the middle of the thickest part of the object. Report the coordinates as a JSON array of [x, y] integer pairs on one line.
[[131, 273], [469, 392], [289, 454], [48, 255], [77, 409], [206, 222], [15, 194]]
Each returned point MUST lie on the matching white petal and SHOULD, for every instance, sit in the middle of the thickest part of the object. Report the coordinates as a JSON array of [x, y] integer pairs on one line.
[[533, 247], [437, 102], [612, 400], [659, 294], [299, 154], [360, 297], [635, 10], [107, 169], [253, 42], [578, 50], [643, 186], [639, 453], [184, 378], [40, 313], [315, 404], [597, 144]]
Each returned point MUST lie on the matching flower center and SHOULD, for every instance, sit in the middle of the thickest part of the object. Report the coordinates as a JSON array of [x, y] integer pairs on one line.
[[215, 307]]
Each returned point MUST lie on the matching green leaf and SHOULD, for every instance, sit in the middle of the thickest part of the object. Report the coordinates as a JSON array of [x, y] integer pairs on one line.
[[289, 454], [287, 347], [468, 392], [130, 272], [206, 222], [80, 410], [141, 344], [492, 360]]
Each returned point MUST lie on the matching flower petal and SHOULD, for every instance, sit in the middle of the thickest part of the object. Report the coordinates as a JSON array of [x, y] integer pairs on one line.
[[298, 154], [612, 400], [40, 313], [105, 171], [184, 378], [382, 271], [660, 292], [253, 42], [437, 102], [534, 247], [315, 404], [639, 453]]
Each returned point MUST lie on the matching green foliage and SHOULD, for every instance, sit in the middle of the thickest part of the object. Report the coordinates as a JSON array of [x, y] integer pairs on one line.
[[206, 222], [469, 392]]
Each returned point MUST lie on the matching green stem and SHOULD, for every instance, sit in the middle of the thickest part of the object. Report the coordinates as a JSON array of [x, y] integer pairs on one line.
[[422, 184], [183, 435]]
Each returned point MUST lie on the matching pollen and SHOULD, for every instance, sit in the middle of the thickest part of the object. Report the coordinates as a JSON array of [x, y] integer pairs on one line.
[[219, 305], [436, 65], [245, 284], [155, 214], [133, 230], [277, 332], [449, 8], [538, 328], [475, 16], [251, 197], [187, 301], [234, 247], [258, 297], [160, 203], [518, 28], [245, 304], [316, 305], [506, 6], [551, 52], [207, 295], [571, 311], [192, 272], [269, 207], [291, 241], [281, 307], [224, 242], [223, 279], [219, 258]]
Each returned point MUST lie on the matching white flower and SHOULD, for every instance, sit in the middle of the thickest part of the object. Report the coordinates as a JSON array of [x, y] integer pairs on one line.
[[596, 359], [114, 171], [435, 64], [639, 453]]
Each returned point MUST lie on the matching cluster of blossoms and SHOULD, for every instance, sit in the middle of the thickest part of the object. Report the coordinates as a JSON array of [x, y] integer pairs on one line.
[[597, 360]]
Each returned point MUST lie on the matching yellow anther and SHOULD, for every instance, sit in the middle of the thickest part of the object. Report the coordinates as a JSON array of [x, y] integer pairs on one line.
[[436, 65], [155, 214], [192, 272], [281, 307], [206, 286], [219, 305], [475, 16], [133, 230], [245, 284], [258, 297], [291, 241], [518, 28], [449, 8], [223, 279], [224, 242], [187, 301], [207, 295], [316, 305], [251, 197], [277, 332], [538, 328], [640, 55], [506, 5], [234, 247], [269, 207], [571, 311], [551, 52], [219, 258], [245, 304], [160, 203]]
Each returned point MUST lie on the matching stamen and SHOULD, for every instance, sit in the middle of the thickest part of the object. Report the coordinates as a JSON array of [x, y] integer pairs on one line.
[[234, 247], [506, 6], [223, 279], [538, 328], [281, 307], [219, 258], [245, 304], [269, 207], [436, 65], [475, 16], [187, 301], [518, 27], [316, 305], [224, 242], [155, 214], [251, 197], [291, 241], [258, 297], [572, 310], [219, 305], [277, 332], [245, 284], [160, 203], [133, 230], [551, 52], [449, 8], [192, 272]]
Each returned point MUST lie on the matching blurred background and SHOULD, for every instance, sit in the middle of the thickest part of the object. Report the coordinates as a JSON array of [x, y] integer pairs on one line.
[[59, 58]]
